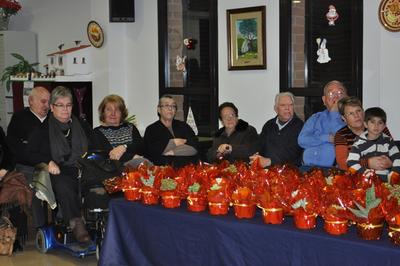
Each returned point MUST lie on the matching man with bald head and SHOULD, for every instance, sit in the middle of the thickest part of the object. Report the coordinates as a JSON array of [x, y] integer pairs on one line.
[[21, 126]]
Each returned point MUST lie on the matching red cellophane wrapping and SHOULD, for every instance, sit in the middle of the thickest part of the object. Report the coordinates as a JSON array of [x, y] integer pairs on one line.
[[219, 192], [306, 200], [391, 210], [279, 182], [150, 190], [196, 200], [131, 185], [244, 202], [335, 197], [368, 228]]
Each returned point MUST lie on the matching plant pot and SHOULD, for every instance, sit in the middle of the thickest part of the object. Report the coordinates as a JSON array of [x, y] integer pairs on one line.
[[196, 203], [394, 234], [304, 221], [149, 197], [170, 200], [369, 231], [244, 210], [218, 208], [336, 227], [272, 215], [132, 194]]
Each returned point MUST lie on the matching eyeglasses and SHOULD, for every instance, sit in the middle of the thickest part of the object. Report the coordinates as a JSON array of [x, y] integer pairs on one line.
[[228, 116], [63, 106], [332, 94], [357, 112], [169, 107]]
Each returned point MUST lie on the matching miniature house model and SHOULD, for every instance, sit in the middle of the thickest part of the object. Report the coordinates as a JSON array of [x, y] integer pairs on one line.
[[71, 61]]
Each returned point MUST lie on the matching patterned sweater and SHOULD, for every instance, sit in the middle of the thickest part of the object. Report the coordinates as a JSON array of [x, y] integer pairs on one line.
[[365, 148]]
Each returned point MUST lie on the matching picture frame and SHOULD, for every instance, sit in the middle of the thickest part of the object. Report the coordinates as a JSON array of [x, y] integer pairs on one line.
[[246, 38], [95, 34]]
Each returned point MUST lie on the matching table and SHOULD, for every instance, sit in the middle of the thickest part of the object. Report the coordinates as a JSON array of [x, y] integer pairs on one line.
[[152, 235]]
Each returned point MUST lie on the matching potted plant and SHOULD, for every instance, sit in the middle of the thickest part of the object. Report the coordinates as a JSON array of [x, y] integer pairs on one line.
[[149, 190], [244, 202], [131, 184], [22, 67], [196, 200], [367, 214], [218, 196], [391, 210], [169, 195]]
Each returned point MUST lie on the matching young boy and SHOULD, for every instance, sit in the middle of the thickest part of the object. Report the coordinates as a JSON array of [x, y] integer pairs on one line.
[[373, 142]]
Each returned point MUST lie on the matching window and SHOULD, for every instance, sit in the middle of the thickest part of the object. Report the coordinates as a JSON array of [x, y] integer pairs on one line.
[[302, 23], [75, 60], [83, 60], [60, 60], [187, 32]]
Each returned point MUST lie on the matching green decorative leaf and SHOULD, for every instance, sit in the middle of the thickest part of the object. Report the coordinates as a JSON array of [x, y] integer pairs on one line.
[[329, 180], [300, 203], [215, 187], [194, 188], [168, 184], [231, 168], [359, 213]]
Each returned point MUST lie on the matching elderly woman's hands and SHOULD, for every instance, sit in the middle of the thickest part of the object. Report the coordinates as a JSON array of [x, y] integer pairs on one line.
[[3, 172], [264, 162], [53, 168], [117, 152]]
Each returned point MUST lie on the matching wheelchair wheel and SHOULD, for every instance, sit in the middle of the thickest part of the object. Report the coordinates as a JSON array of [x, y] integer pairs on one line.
[[98, 247], [40, 241]]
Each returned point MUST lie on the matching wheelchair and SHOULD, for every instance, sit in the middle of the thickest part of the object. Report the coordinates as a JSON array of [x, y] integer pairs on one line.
[[95, 212]]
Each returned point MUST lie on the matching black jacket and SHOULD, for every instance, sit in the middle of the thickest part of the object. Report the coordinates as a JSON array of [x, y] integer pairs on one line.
[[281, 145], [157, 136], [243, 141]]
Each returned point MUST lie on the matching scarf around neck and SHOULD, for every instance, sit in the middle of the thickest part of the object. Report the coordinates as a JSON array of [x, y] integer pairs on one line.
[[62, 151]]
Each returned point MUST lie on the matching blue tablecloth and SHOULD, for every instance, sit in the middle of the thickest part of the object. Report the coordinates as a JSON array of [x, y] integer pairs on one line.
[[152, 235]]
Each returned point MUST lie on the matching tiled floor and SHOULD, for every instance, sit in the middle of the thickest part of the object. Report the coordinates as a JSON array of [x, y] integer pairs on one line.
[[31, 256]]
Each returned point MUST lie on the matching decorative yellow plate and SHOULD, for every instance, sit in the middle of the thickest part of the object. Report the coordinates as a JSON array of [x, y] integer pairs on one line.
[[389, 14], [95, 34]]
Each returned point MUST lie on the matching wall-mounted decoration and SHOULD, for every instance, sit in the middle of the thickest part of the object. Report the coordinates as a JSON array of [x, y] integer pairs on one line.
[[180, 63], [189, 43], [246, 38], [332, 15], [95, 34], [323, 53], [389, 14]]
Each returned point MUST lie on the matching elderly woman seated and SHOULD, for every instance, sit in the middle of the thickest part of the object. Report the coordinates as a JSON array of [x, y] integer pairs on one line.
[[236, 140], [59, 142], [119, 138], [170, 141]]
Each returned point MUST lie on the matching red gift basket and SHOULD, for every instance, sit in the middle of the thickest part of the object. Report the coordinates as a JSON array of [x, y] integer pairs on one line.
[[272, 215], [170, 199], [196, 202], [303, 220]]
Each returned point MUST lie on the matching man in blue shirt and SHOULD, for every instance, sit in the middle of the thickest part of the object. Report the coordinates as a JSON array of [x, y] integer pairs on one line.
[[317, 135]]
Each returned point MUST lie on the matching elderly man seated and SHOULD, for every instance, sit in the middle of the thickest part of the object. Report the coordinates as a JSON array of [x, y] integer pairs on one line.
[[317, 135], [22, 124], [278, 138]]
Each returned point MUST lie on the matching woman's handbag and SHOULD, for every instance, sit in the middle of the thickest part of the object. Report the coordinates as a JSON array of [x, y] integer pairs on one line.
[[7, 236]]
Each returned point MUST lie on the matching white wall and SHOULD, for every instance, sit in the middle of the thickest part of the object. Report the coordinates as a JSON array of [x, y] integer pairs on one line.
[[127, 64], [381, 67], [252, 91]]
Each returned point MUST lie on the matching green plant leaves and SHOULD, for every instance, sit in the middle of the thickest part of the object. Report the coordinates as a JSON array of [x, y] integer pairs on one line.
[[23, 66]]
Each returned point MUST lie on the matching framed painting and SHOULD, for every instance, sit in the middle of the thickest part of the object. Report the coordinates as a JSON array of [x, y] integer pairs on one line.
[[246, 38]]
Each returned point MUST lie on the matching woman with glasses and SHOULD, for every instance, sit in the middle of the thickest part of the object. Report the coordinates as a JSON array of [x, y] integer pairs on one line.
[[353, 115], [170, 141], [236, 140], [58, 143]]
